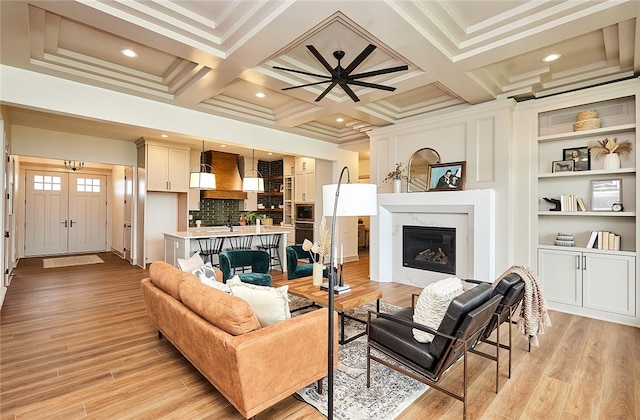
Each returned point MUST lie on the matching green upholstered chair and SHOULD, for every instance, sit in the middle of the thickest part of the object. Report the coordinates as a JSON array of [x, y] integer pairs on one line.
[[296, 269], [258, 260]]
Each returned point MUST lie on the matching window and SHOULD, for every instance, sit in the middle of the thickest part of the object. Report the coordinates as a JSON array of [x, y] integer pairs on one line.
[[87, 185], [47, 183]]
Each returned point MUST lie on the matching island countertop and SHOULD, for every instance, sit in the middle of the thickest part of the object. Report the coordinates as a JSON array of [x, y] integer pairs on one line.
[[218, 232], [185, 243]]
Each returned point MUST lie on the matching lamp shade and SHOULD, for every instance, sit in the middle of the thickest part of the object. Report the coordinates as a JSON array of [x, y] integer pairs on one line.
[[202, 181], [253, 184], [354, 200]]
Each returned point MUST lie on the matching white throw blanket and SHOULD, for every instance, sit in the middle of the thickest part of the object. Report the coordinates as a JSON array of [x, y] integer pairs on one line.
[[533, 314]]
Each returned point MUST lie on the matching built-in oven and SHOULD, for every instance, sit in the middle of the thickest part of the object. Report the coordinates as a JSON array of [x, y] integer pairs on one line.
[[304, 213], [304, 230]]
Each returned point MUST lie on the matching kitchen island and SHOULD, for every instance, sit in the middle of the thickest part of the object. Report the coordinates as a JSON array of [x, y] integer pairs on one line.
[[185, 244]]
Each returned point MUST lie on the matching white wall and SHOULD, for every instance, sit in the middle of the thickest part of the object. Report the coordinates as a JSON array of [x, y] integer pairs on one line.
[[117, 209], [480, 135]]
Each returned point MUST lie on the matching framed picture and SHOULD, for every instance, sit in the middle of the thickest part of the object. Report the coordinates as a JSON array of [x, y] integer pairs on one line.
[[562, 166], [605, 192], [446, 176], [580, 156]]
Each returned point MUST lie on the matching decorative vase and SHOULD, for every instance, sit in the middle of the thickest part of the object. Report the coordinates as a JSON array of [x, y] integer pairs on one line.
[[317, 274], [397, 185], [611, 161]]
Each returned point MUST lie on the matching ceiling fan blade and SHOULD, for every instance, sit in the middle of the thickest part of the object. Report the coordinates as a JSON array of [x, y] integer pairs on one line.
[[308, 84], [327, 90], [371, 85], [360, 58], [321, 59], [324, 76], [378, 72], [349, 92]]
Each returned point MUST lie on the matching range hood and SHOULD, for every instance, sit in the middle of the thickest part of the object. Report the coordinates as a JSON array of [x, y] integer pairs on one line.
[[228, 180]]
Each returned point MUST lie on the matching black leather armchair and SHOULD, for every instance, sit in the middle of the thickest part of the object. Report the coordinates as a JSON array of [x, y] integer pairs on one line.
[[464, 322]]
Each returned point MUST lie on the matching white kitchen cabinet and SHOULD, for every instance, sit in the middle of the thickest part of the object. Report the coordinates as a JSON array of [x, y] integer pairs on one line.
[[167, 169], [601, 281], [305, 164], [305, 187]]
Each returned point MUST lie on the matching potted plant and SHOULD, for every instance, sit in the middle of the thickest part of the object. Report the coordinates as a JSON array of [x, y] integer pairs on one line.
[[250, 216], [611, 150], [396, 176]]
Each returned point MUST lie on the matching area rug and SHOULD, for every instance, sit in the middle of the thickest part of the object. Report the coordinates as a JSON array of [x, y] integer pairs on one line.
[[69, 261], [390, 392]]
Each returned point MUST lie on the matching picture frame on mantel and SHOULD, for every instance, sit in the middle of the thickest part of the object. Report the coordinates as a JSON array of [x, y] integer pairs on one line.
[[447, 176]]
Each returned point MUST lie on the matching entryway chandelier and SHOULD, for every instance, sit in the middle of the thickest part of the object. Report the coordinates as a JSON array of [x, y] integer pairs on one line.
[[205, 177], [72, 165]]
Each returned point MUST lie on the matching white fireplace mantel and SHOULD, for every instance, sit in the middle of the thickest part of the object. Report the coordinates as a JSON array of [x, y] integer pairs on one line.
[[475, 207]]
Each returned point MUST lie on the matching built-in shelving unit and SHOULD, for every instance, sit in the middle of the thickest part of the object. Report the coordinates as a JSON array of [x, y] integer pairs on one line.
[[599, 283]]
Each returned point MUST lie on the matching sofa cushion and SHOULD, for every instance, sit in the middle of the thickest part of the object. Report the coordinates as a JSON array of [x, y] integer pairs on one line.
[[432, 305], [167, 277], [229, 313], [193, 262], [270, 304], [207, 275]]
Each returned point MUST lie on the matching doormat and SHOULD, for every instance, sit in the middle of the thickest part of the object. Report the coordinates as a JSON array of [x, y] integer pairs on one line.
[[390, 393], [69, 261]]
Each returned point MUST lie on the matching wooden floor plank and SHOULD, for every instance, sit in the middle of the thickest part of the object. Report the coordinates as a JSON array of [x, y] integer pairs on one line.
[[76, 342]]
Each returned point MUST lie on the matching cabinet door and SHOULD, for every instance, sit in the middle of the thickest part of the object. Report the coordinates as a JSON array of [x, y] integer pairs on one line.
[[609, 283], [178, 170], [157, 168], [305, 187], [304, 164], [561, 275]]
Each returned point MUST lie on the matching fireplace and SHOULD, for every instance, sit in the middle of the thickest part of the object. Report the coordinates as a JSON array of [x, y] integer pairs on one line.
[[429, 248]]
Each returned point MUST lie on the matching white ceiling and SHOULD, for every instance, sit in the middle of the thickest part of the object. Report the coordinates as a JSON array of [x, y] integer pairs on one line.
[[214, 56]]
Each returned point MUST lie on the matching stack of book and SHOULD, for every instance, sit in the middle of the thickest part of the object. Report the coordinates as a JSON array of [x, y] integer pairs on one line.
[[602, 239], [570, 202]]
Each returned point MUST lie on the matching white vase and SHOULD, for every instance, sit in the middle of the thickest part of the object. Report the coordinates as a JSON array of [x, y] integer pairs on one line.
[[317, 274], [611, 161], [397, 185]]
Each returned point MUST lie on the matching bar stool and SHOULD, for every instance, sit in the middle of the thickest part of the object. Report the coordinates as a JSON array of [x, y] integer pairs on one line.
[[210, 247], [271, 244], [240, 243]]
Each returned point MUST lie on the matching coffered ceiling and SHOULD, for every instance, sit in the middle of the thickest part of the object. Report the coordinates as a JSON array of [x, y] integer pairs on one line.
[[215, 56]]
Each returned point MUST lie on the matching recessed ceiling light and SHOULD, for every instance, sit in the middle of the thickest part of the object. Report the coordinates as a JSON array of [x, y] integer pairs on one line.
[[164, 136], [129, 52], [340, 119], [223, 145], [260, 95], [551, 57], [270, 153]]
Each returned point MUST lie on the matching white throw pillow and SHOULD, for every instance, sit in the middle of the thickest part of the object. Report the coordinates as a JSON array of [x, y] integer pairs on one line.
[[432, 305], [207, 275], [191, 263], [269, 304]]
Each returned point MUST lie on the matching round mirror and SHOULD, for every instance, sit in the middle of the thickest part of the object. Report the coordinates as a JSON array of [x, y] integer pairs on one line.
[[419, 169]]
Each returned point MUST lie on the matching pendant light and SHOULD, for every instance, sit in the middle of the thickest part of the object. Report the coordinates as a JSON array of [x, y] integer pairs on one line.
[[253, 183], [205, 177]]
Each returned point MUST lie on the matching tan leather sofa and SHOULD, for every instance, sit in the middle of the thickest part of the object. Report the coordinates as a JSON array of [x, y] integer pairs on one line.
[[219, 334]]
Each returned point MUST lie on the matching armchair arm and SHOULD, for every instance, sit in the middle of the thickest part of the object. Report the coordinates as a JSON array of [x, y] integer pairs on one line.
[[406, 323]]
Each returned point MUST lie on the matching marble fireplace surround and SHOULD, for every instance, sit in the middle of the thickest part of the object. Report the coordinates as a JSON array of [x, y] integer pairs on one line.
[[471, 212]]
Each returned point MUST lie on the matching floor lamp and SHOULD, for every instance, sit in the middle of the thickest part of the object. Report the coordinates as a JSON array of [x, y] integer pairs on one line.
[[358, 200]]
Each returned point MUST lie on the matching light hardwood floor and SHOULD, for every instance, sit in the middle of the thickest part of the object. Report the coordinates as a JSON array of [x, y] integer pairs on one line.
[[76, 342]]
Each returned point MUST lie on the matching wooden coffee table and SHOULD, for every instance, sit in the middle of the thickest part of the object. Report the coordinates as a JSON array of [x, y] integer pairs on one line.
[[359, 295]]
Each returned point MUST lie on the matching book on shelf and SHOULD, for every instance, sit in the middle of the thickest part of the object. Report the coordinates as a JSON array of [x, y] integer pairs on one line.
[[571, 202], [581, 205], [604, 240]]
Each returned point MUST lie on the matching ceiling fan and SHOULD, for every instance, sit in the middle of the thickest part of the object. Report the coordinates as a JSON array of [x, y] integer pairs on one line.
[[342, 76]]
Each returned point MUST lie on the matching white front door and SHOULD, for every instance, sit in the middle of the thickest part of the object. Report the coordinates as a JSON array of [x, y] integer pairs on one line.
[[64, 213], [87, 213]]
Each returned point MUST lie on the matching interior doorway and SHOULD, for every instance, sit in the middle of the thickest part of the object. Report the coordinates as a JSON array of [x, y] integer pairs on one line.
[[64, 213]]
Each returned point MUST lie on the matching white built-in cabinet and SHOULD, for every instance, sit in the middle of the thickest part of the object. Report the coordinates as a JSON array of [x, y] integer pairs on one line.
[[598, 283], [594, 280], [167, 169], [305, 180]]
